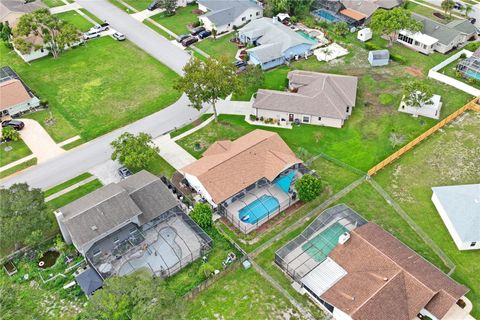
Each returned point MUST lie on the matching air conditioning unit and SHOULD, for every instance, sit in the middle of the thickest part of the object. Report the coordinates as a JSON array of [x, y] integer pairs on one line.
[[344, 238]]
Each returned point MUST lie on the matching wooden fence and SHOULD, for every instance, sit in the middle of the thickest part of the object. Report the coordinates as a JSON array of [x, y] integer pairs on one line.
[[472, 105]]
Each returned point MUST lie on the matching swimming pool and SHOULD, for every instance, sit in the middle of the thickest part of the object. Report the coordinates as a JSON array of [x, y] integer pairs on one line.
[[322, 244], [258, 209], [285, 181], [307, 36], [472, 74], [326, 15]]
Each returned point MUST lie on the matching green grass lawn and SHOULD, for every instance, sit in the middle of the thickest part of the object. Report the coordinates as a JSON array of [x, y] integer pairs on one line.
[[21, 166], [219, 47], [59, 129], [242, 294], [89, 14], [97, 87], [76, 19], [140, 5], [74, 194], [449, 157], [275, 79], [189, 126], [427, 12], [53, 3], [451, 71], [66, 184], [178, 22], [19, 151], [160, 167]]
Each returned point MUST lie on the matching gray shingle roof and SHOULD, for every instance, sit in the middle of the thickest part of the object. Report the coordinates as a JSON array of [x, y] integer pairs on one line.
[[277, 36], [444, 33], [222, 12], [103, 210], [89, 281], [319, 94], [462, 206], [464, 26]]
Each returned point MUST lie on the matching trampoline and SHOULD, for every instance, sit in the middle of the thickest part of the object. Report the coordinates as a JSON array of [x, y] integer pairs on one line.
[[258, 209], [285, 181], [322, 244]]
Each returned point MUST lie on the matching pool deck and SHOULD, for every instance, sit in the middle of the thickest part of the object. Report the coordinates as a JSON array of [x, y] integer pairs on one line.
[[270, 190]]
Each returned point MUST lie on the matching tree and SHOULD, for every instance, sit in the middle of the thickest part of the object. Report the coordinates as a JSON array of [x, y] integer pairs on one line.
[[308, 187], [10, 134], [23, 212], [467, 10], [208, 81], [169, 6], [340, 28], [202, 215], [56, 34], [390, 22], [134, 152], [417, 93], [252, 77], [298, 8], [5, 31], [447, 6], [137, 296]]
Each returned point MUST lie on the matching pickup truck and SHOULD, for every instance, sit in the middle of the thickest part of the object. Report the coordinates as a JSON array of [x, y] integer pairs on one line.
[[100, 27]]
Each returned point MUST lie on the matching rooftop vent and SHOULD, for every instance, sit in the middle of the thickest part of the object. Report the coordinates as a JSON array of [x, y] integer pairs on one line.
[[344, 238], [94, 228]]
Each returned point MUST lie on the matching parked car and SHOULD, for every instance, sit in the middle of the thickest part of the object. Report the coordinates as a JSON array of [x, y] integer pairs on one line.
[[100, 27], [182, 37], [118, 36], [188, 41], [153, 5], [472, 20], [197, 30], [240, 63], [124, 172], [90, 35], [458, 6], [15, 124], [204, 34]]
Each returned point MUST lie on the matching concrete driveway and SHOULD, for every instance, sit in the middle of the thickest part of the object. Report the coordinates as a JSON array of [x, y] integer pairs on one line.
[[39, 141]]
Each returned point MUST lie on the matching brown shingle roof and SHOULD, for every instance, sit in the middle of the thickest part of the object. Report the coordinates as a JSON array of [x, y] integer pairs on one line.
[[388, 280], [228, 167], [12, 92], [318, 94], [355, 15]]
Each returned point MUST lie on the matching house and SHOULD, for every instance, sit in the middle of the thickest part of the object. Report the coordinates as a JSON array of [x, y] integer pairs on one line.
[[15, 97], [354, 269], [429, 110], [314, 98], [436, 36], [274, 43], [470, 67], [459, 208], [248, 180], [378, 58], [227, 15], [354, 12], [12, 10], [136, 223]]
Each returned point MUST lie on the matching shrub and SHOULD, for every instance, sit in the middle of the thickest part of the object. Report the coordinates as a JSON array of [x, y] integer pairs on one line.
[[398, 58], [308, 187], [253, 117], [472, 46], [385, 98], [206, 270], [202, 215], [371, 46]]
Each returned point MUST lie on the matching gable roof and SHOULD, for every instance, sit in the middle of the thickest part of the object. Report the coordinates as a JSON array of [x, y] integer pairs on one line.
[[228, 167], [318, 94], [12, 92], [462, 206], [445, 33], [274, 38], [222, 12], [387, 280], [113, 205]]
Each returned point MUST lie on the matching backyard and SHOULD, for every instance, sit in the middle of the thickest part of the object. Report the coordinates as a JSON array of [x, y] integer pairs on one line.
[[90, 91], [179, 21], [449, 157]]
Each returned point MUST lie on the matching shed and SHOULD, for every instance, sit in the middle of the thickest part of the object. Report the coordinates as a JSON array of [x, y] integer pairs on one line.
[[364, 34], [378, 58], [90, 281]]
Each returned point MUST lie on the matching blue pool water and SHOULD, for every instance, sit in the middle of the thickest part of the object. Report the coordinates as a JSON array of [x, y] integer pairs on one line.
[[326, 15], [472, 74], [285, 181], [307, 36], [258, 209]]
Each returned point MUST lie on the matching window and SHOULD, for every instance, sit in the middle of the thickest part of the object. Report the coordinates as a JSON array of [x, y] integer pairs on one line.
[[473, 244], [306, 119], [417, 43], [258, 13], [132, 230], [115, 240], [348, 109], [243, 18], [404, 38], [96, 252], [250, 15], [319, 118]]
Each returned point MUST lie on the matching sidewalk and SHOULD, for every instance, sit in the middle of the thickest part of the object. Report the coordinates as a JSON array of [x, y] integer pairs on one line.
[[65, 8], [175, 155], [145, 14]]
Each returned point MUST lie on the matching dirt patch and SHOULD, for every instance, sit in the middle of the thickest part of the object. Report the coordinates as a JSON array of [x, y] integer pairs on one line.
[[414, 72]]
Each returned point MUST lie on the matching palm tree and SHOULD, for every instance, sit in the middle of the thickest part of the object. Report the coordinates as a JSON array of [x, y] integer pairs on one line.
[[447, 6], [467, 10]]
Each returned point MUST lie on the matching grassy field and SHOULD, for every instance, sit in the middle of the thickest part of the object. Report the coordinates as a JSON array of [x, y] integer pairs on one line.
[[76, 19], [85, 88], [19, 151], [178, 22], [449, 157], [242, 294], [219, 47]]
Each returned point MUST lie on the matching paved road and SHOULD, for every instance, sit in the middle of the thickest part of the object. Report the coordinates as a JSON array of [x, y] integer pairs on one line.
[[144, 37]]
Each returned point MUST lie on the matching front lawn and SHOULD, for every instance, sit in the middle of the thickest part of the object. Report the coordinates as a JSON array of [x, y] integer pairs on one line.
[[160, 167], [76, 19], [140, 5], [53, 3], [449, 157], [220, 47], [242, 294], [53, 121], [19, 151], [178, 22], [98, 87]]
